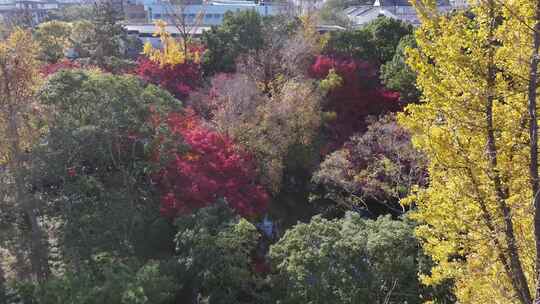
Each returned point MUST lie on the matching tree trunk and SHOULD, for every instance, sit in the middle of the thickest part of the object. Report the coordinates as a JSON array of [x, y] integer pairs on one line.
[[489, 222], [533, 134], [518, 278], [3, 291], [38, 250]]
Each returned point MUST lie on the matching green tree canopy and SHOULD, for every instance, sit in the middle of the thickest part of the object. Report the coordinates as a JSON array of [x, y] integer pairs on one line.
[[73, 13], [214, 248], [375, 42], [350, 260], [102, 40], [53, 38], [386, 34], [239, 33], [109, 280], [95, 166], [398, 76]]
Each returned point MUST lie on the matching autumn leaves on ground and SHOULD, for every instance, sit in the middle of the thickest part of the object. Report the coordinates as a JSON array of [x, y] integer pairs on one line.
[[265, 162]]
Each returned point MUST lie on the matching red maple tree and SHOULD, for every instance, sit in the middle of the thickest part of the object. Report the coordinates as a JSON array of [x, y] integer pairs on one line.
[[179, 79], [213, 168], [66, 64], [359, 95]]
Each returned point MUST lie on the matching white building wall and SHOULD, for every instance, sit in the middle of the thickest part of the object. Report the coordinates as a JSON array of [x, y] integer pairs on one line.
[[213, 14]]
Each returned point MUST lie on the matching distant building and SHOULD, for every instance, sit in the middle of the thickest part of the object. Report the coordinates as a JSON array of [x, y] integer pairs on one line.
[[145, 32], [200, 17], [395, 9], [301, 7], [135, 12], [208, 14], [31, 12], [459, 3]]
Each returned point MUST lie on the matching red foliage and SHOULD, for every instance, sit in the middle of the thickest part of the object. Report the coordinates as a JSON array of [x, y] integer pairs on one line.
[[65, 64], [213, 168], [72, 172], [260, 265], [359, 96], [180, 79]]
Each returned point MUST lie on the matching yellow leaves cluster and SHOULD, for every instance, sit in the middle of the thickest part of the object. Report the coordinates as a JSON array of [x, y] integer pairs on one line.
[[173, 51], [18, 53], [53, 38], [19, 80], [332, 81], [450, 127], [310, 33]]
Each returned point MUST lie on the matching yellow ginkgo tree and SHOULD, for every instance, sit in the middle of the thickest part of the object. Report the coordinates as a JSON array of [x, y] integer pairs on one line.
[[19, 130], [172, 51], [476, 217]]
